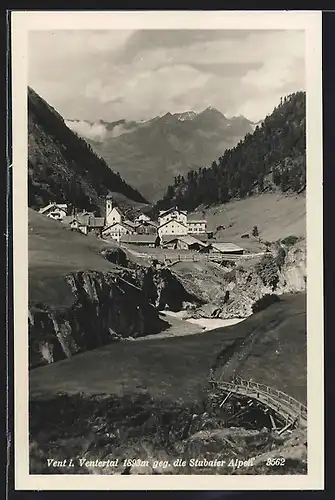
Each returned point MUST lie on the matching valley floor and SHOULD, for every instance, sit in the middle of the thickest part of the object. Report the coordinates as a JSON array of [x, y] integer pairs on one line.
[[178, 367]]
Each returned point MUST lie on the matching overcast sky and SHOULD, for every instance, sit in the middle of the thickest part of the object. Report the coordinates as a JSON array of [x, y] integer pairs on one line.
[[140, 74]]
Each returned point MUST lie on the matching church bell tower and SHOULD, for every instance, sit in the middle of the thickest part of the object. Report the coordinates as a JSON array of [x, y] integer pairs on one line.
[[109, 207]]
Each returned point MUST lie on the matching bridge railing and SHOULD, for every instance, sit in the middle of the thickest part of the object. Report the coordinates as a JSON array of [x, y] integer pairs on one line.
[[278, 398], [273, 392]]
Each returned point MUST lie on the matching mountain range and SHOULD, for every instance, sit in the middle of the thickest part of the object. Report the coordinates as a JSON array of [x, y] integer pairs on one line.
[[149, 154], [271, 158], [62, 167]]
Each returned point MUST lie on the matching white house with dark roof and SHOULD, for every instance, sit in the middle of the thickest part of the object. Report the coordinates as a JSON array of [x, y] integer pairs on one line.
[[118, 229], [55, 210], [178, 222], [172, 227], [142, 218], [172, 214]]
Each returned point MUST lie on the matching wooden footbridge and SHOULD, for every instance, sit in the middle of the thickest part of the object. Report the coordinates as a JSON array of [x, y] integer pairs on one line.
[[278, 405]]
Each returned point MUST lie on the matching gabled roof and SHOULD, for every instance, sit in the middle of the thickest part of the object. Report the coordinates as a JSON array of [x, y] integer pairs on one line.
[[138, 238], [84, 219], [226, 247], [147, 223], [130, 223], [162, 213], [195, 218], [62, 206], [117, 210], [172, 222], [202, 237], [45, 209], [68, 219], [142, 215], [189, 240], [122, 223], [96, 222]]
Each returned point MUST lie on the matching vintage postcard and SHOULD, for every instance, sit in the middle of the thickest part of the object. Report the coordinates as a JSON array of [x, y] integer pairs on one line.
[[167, 208]]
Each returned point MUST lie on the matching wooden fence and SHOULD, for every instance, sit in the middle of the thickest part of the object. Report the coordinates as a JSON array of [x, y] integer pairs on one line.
[[173, 257]]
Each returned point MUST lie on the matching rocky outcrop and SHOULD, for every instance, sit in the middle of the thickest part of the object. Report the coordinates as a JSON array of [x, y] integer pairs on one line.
[[165, 290], [106, 307], [162, 287], [233, 293]]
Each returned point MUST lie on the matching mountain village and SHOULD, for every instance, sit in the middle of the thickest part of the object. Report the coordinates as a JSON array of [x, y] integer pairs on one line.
[[174, 229]]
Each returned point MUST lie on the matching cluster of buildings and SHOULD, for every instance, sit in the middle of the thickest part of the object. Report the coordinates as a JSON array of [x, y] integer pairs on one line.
[[174, 228]]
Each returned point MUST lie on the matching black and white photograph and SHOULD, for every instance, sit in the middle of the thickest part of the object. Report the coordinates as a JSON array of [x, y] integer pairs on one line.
[[170, 178]]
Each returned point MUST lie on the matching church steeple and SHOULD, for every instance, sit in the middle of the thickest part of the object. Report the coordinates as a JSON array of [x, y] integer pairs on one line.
[[109, 205]]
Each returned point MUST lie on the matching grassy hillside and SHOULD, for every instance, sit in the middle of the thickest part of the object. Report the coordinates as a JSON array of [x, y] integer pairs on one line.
[[177, 369], [54, 251], [62, 166], [277, 355], [272, 158], [275, 215]]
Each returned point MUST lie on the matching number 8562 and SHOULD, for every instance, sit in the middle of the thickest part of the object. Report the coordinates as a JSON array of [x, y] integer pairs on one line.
[[275, 462]]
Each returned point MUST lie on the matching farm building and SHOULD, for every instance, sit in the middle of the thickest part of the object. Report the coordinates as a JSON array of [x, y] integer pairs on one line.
[[185, 242], [96, 225], [226, 248], [146, 227], [142, 218], [172, 227], [86, 222], [196, 224], [55, 210], [204, 237], [118, 229], [148, 240]]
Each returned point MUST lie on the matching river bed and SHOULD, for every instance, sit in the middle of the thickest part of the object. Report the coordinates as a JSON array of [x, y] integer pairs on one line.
[[180, 325], [205, 323]]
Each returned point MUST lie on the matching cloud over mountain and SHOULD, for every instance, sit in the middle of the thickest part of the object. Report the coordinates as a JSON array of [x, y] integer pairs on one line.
[[139, 74]]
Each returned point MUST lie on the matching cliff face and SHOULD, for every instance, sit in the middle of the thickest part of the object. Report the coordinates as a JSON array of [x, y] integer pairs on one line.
[[231, 293], [282, 271], [106, 307]]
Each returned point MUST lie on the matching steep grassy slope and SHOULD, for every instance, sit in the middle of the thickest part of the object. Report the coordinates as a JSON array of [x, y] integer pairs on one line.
[[275, 215], [175, 369], [55, 251], [149, 155], [62, 167]]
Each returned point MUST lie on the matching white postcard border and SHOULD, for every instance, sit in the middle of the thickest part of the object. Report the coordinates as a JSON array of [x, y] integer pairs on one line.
[[310, 21]]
